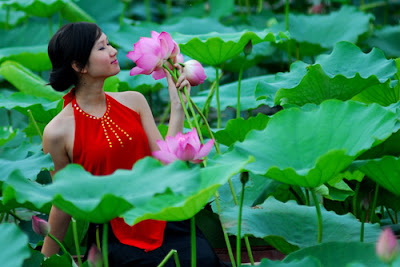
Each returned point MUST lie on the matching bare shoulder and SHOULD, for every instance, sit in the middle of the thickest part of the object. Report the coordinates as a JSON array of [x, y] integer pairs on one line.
[[132, 99], [60, 127]]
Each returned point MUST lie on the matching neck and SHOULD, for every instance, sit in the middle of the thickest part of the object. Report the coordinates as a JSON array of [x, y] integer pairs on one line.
[[90, 96]]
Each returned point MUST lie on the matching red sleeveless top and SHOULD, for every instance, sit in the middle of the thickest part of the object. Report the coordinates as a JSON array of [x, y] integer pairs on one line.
[[115, 141]]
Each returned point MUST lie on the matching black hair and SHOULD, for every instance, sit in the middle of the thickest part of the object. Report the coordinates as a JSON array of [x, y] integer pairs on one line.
[[73, 42]]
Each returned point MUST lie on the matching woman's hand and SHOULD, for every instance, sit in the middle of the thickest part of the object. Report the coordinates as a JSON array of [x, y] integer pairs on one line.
[[174, 87]]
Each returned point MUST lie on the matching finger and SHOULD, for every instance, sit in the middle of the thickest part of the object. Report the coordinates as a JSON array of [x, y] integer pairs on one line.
[[178, 67], [183, 84], [180, 80]]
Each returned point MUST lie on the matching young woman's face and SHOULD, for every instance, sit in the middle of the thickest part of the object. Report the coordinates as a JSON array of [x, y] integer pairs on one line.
[[103, 61]]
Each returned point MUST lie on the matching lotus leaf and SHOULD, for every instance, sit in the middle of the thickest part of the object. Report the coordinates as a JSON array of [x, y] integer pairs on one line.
[[13, 248], [386, 39], [185, 191], [385, 171], [331, 29], [308, 148], [141, 83], [29, 166], [40, 8], [43, 110], [276, 219], [307, 261], [26, 81], [237, 129], [6, 134], [228, 94], [32, 57], [343, 74], [216, 48], [335, 254]]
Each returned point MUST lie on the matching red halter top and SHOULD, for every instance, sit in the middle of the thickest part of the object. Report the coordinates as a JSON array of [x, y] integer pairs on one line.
[[115, 141]]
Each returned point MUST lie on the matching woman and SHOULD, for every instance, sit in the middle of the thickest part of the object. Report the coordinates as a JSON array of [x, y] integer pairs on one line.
[[108, 131]]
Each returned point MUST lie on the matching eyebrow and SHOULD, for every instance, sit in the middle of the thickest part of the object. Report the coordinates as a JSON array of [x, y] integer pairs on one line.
[[99, 41]]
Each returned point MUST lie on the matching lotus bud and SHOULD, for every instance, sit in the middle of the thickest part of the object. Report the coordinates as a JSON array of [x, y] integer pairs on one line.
[[248, 48], [387, 247], [364, 203], [40, 226], [95, 258], [194, 72], [244, 177]]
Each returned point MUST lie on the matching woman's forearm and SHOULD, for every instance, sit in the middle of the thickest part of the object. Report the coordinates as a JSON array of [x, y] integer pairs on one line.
[[176, 121], [59, 222]]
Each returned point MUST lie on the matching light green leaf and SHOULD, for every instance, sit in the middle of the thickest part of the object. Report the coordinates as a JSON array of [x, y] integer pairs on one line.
[[315, 33], [141, 83], [237, 129], [34, 58], [13, 245], [276, 219], [307, 261], [308, 148], [221, 8], [216, 48], [179, 191], [386, 39], [27, 82], [340, 254], [40, 8], [385, 171]]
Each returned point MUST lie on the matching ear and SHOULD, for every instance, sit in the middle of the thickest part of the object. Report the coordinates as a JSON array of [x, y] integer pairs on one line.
[[75, 65]]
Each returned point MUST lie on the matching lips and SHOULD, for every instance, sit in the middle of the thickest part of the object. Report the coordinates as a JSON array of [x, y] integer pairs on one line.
[[114, 61]]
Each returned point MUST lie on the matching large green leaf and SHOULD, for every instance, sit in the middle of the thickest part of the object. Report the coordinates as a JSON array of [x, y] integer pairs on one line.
[[228, 95], [37, 31], [344, 73], [315, 33], [6, 134], [237, 129], [43, 110], [216, 48], [335, 254], [310, 147], [276, 219], [74, 13], [29, 166], [13, 245], [385, 171], [307, 261], [26, 81], [221, 8], [34, 58], [40, 8], [15, 18], [386, 39], [185, 191]]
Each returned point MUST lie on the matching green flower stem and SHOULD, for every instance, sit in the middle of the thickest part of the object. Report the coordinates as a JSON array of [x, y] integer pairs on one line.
[[307, 197], [122, 16], [362, 225], [105, 244], [7, 17], [389, 214], [76, 241], [373, 207], [193, 240], [35, 124], [217, 96], [259, 6], [210, 95], [287, 6], [356, 190], [365, 7], [169, 4], [319, 216], [238, 237], [98, 238], [169, 255], [180, 97], [16, 217], [59, 243], [147, 8], [247, 242], [50, 20], [216, 145], [227, 242], [238, 91]]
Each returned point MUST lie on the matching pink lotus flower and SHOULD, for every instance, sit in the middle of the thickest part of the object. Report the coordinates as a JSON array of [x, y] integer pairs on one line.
[[194, 72], [150, 54], [95, 258], [186, 147], [40, 226], [387, 247]]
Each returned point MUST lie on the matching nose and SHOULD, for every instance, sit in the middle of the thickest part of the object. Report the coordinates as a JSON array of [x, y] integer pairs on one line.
[[113, 51]]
